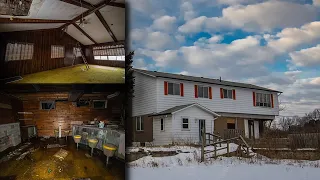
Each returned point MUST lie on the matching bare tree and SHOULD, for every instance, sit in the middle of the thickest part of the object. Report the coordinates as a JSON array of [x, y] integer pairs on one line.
[[286, 122]]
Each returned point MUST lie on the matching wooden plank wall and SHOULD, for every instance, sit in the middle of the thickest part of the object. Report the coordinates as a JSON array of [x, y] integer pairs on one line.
[[91, 60], [42, 39], [7, 114], [46, 121]]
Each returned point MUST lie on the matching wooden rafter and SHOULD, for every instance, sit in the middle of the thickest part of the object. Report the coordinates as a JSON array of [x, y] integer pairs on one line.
[[90, 11], [20, 20], [89, 6], [106, 44], [105, 24], [83, 32]]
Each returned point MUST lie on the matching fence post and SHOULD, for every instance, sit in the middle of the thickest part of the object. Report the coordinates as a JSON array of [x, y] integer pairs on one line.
[[215, 150], [248, 151], [203, 144], [228, 148]]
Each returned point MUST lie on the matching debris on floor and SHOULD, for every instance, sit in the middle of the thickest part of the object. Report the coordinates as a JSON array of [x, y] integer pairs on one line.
[[14, 153], [87, 155], [61, 154], [23, 155], [81, 179], [54, 146]]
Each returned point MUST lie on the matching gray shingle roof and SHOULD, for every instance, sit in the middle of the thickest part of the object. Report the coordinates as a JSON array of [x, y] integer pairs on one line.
[[171, 110], [203, 80]]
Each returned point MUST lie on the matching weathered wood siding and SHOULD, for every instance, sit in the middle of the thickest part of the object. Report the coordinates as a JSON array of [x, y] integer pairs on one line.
[[41, 61], [7, 114]]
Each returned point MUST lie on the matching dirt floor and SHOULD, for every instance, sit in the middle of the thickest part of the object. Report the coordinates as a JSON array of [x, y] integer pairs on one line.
[[40, 163], [75, 74]]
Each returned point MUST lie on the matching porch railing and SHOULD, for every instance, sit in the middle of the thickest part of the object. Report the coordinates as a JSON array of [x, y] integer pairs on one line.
[[231, 133]]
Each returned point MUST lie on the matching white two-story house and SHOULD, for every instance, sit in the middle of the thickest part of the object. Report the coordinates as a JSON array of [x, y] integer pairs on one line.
[[171, 108]]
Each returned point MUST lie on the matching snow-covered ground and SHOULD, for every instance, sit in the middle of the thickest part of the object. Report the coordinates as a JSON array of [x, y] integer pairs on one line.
[[186, 166]]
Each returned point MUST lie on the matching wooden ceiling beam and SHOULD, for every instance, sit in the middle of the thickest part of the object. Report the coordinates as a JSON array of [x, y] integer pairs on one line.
[[105, 24], [106, 44], [89, 6], [79, 3], [90, 11], [20, 20], [83, 32]]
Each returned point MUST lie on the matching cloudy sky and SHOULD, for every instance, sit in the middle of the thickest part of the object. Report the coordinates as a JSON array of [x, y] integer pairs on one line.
[[271, 43]]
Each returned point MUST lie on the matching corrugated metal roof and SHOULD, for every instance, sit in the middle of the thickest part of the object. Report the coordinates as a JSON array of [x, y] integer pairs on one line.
[[203, 80]]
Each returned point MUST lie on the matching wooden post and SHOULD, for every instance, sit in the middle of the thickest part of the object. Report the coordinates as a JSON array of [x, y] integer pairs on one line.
[[203, 144], [220, 141], [215, 150], [228, 148]]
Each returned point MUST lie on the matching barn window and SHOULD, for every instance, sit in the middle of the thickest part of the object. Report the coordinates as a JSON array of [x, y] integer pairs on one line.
[[47, 105], [57, 51], [99, 104], [109, 52], [77, 52], [19, 51]]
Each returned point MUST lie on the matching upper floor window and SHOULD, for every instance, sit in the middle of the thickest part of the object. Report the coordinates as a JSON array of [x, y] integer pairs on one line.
[[57, 51], [173, 88], [227, 93], [99, 104], [47, 105], [203, 92], [263, 100], [19, 51]]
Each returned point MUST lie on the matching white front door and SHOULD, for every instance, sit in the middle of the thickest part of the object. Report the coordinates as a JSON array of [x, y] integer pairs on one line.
[[202, 125]]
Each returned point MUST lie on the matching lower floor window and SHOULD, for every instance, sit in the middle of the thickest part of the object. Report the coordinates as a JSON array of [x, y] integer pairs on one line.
[[185, 123], [139, 123], [162, 124], [231, 126]]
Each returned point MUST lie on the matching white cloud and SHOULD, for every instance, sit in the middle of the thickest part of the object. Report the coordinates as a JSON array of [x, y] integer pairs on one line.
[[289, 38], [162, 58], [306, 57], [264, 16], [166, 23], [292, 73], [316, 2], [180, 38], [139, 63], [235, 2], [315, 81], [187, 10]]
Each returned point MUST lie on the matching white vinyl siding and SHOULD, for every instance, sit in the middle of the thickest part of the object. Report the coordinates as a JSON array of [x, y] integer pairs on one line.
[[162, 137], [243, 104], [144, 96]]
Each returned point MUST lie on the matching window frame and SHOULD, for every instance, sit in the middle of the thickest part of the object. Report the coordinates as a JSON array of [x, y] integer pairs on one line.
[[228, 90], [182, 123], [55, 52], [105, 104], [203, 91], [162, 124], [173, 88], [141, 124], [52, 102], [121, 58], [19, 51], [264, 98]]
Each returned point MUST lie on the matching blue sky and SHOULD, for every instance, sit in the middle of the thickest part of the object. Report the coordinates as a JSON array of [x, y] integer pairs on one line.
[[271, 43]]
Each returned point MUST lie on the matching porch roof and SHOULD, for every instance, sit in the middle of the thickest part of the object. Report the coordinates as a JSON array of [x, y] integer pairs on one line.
[[176, 109]]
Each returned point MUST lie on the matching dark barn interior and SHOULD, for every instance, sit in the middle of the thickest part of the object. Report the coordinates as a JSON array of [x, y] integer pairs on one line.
[[62, 132], [56, 39]]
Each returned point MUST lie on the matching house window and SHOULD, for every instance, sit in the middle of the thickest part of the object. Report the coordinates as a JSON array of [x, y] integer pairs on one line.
[[99, 104], [185, 123], [139, 124], [227, 93], [231, 123], [19, 51], [203, 92], [263, 100], [77, 52], [57, 51], [162, 124], [174, 89], [110, 58], [47, 105]]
